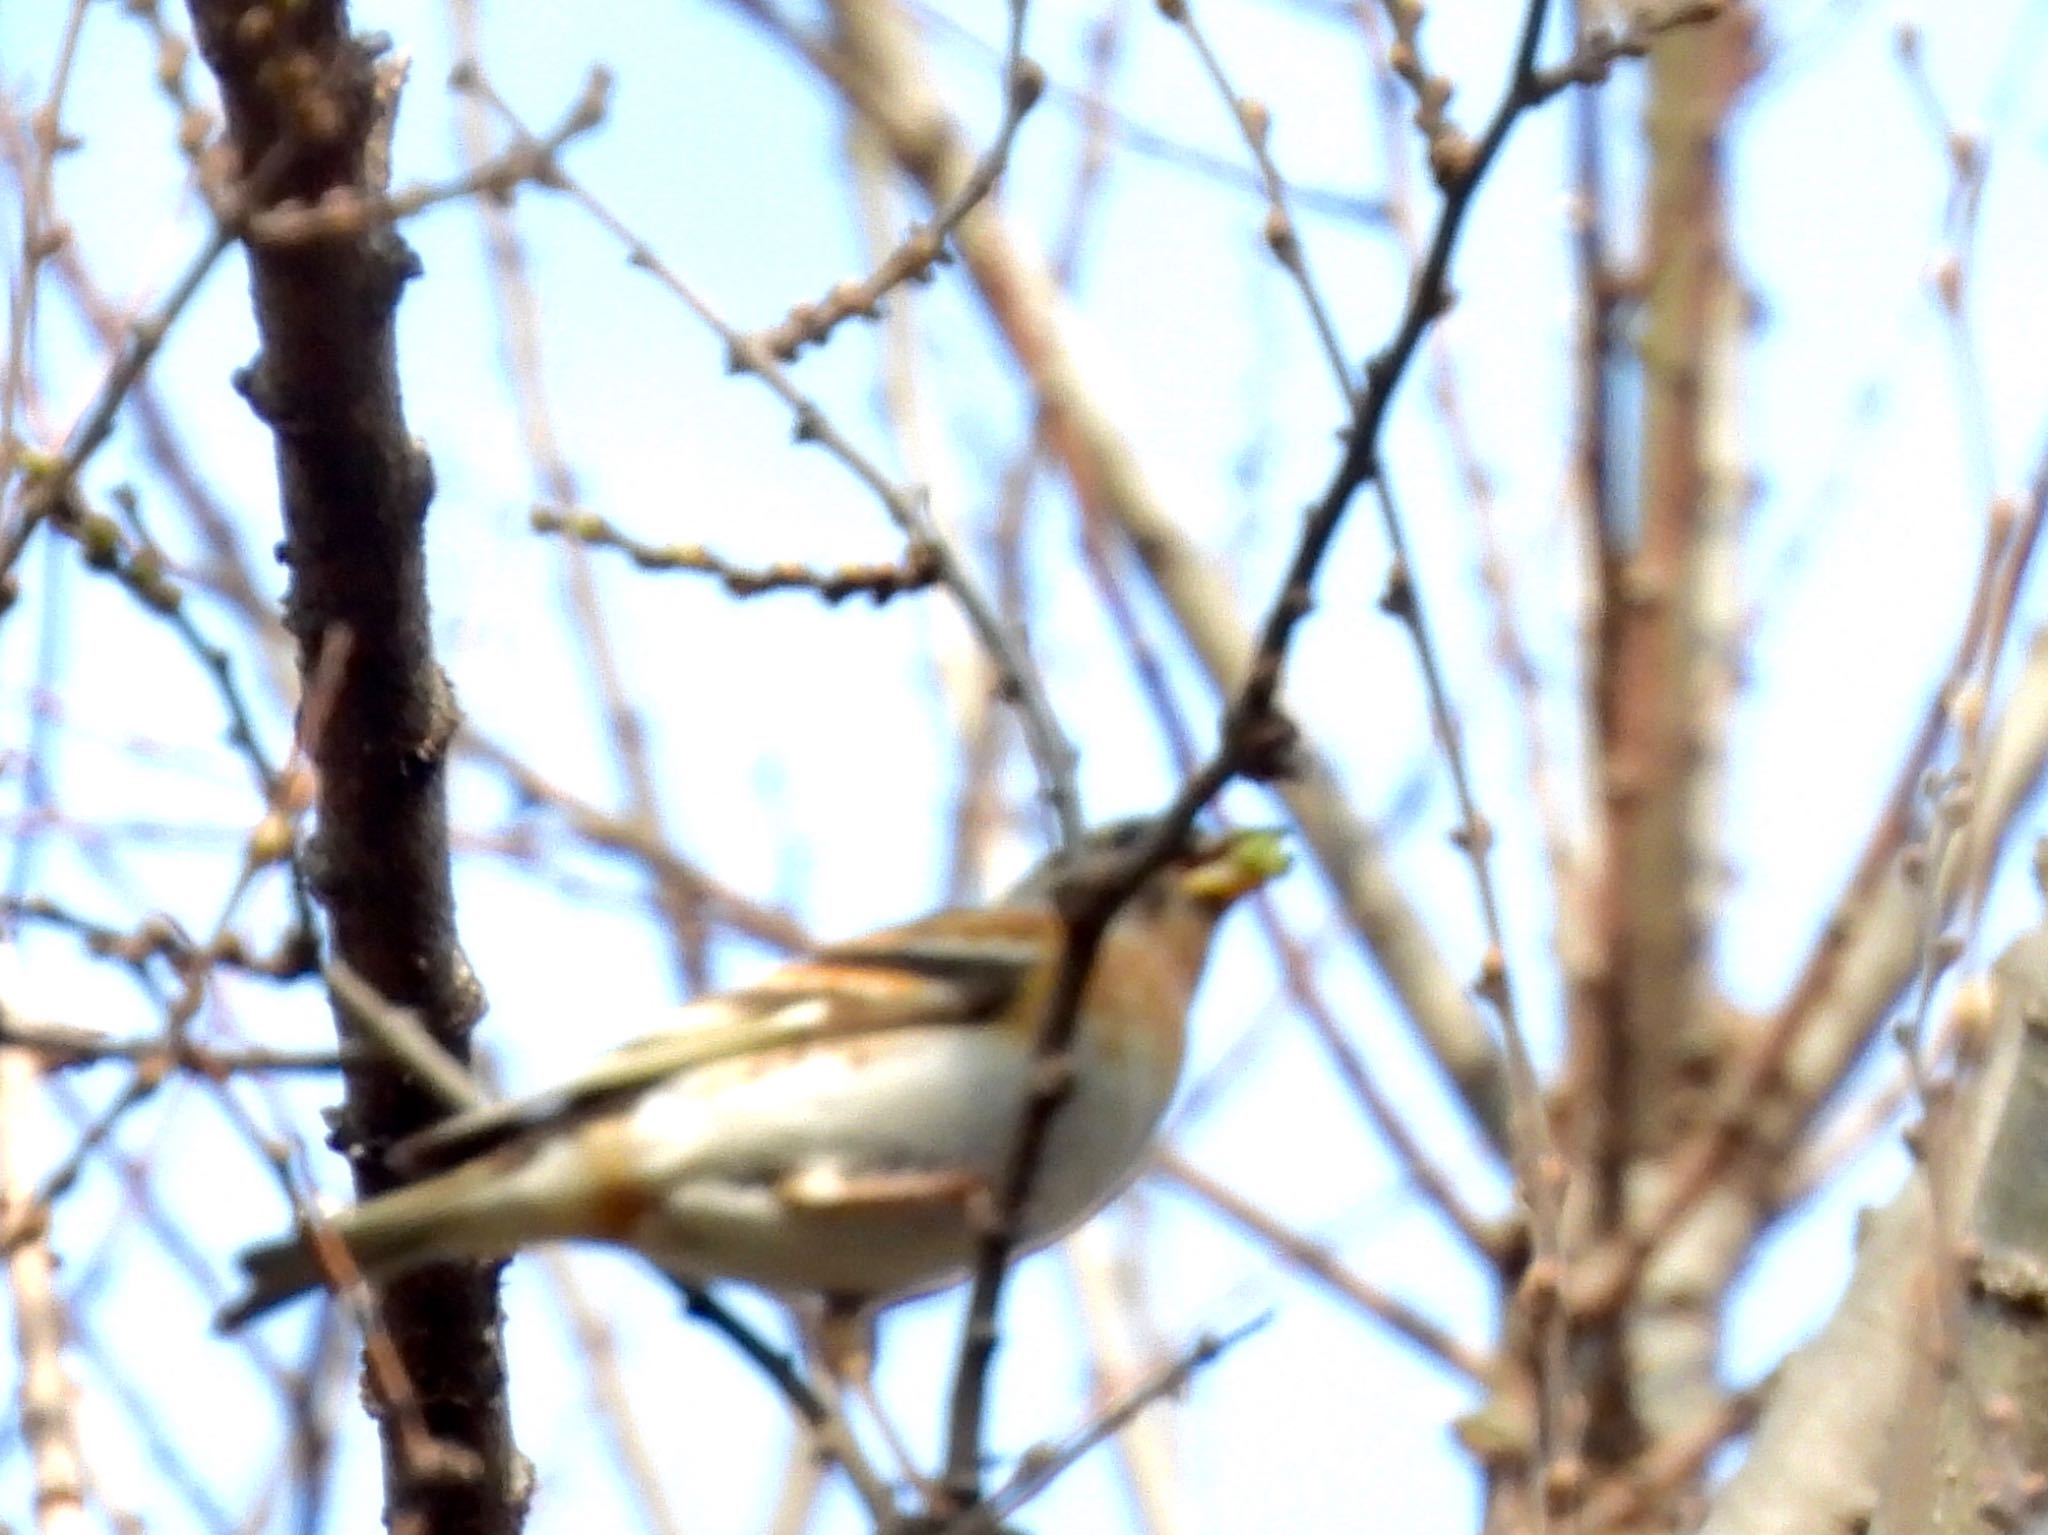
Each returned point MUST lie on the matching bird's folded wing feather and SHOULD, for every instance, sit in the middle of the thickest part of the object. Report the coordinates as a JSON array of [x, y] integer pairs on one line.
[[894, 979]]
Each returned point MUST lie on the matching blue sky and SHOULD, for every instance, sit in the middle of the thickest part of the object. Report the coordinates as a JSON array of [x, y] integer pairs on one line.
[[801, 751]]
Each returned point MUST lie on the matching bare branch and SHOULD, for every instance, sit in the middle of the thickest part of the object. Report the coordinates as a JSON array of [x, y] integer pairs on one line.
[[45, 1390], [1431, 1338], [302, 103], [1169, 1379], [878, 583], [1051, 752], [520, 332]]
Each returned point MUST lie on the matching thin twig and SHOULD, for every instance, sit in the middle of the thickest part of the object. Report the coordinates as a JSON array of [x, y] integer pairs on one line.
[[1051, 752], [1282, 234], [519, 330], [1511, 649], [1094, 107], [597, 1346], [925, 247], [353, 212], [61, 1045], [1042, 1469], [1766, 1062], [918, 570], [1113, 1295], [1483, 1237], [43, 234], [51, 476], [980, 776], [721, 903], [1431, 1338], [827, 1427], [1256, 740], [402, 1036], [158, 937], [133, 560]]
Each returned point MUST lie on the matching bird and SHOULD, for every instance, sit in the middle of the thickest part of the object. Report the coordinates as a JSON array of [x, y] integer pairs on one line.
[[833, 1132]]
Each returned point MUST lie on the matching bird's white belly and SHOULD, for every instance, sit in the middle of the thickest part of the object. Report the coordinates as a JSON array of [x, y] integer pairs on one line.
[[729, 1147]]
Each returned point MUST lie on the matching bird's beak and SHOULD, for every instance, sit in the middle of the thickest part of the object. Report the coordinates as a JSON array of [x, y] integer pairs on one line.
[[1235, 864]]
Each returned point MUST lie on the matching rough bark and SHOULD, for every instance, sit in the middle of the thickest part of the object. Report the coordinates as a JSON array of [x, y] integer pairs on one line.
[[303, 116], [1647, 1030], [1973, 1441], [1922, 1405]]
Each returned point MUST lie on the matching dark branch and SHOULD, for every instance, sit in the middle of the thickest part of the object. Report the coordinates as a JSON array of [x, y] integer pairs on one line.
[[305, 101], [1256, 742]]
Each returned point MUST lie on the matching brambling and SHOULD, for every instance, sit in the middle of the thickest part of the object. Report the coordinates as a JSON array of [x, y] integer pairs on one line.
[[826, 1133]]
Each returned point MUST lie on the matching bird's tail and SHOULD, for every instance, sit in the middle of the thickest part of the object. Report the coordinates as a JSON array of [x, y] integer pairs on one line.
[[459, 1214]]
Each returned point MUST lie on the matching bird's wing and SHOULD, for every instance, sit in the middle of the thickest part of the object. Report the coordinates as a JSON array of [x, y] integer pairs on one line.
[[983, 959], [966, 974]]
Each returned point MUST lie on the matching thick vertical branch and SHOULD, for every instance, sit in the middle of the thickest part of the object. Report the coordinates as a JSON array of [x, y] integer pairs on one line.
[[1984, 1406], [1602, 370], [1899, 1416], [302, 102], [1654, 674], [1648, 1023], [1818, 1454]]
